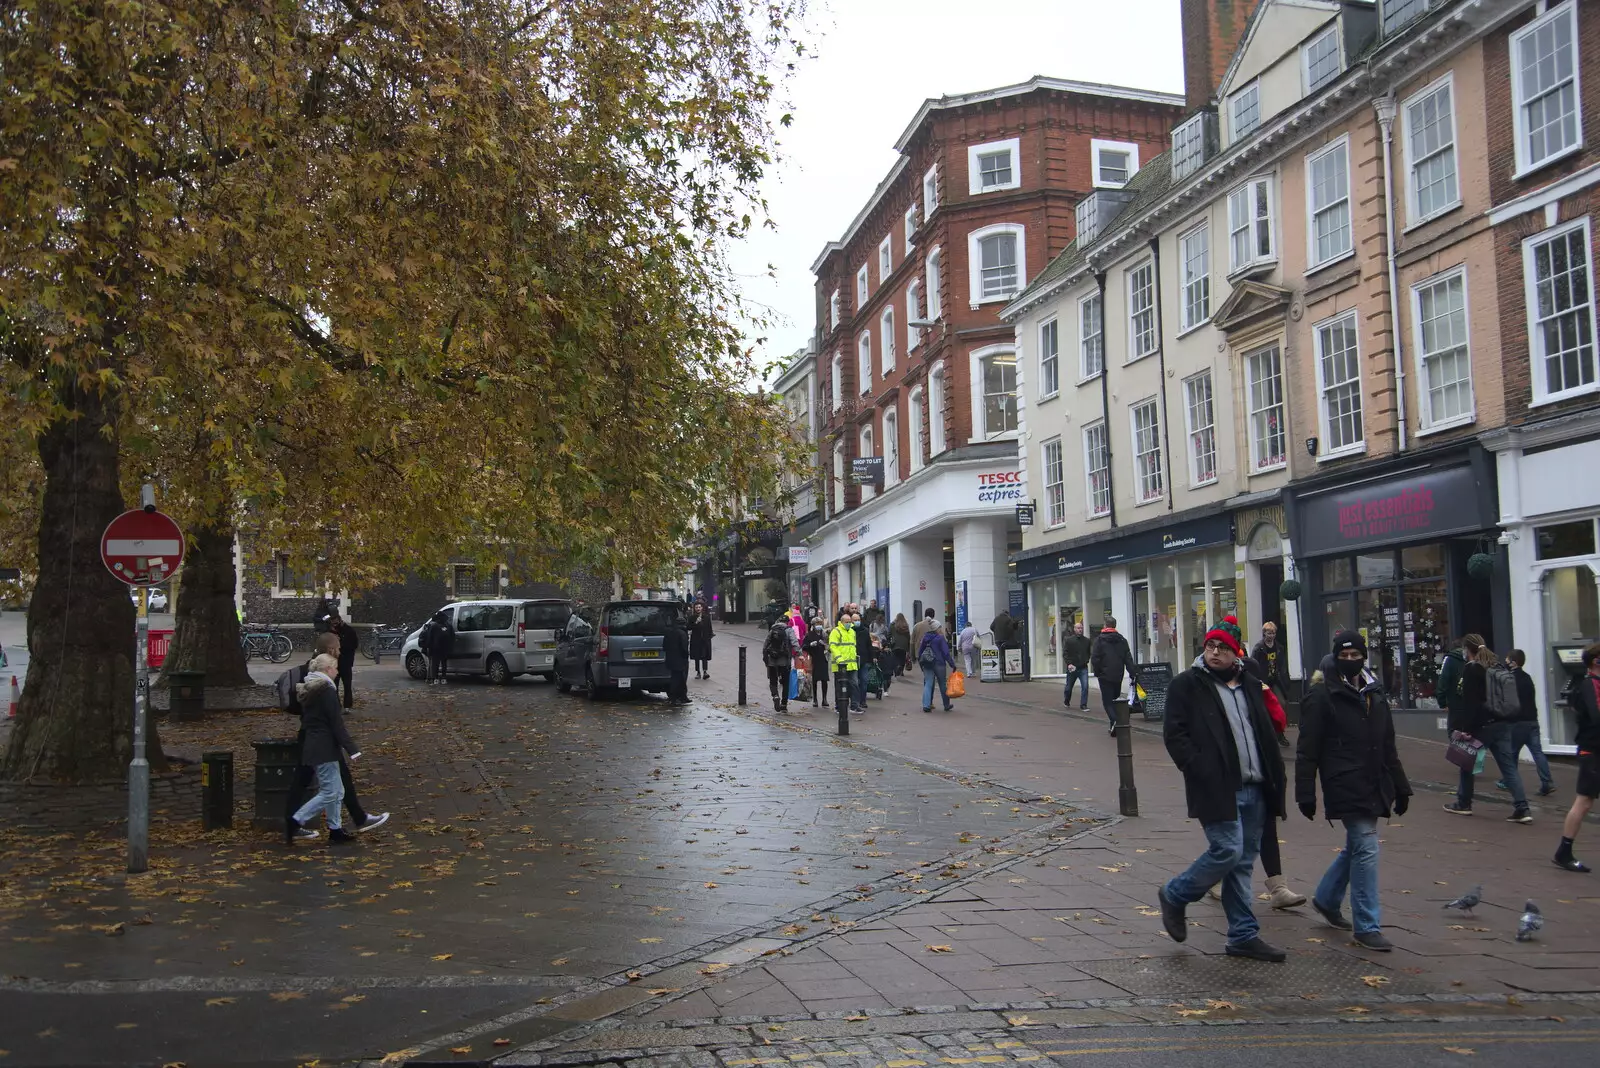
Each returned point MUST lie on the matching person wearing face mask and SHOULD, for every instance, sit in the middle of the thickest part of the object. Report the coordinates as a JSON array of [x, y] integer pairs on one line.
[[1347, 740]]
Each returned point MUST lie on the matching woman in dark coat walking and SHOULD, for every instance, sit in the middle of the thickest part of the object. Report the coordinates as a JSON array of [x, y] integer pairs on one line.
[[325, 738], [900, 642], [1347, 739], [700, 636]]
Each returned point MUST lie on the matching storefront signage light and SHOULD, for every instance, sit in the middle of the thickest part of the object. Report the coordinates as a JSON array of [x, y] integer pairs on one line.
[[1195, 534], [996, 486], [1432, 503], [856, 534]]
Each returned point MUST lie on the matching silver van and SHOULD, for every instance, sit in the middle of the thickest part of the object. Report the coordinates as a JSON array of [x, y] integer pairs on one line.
[[500, 639]]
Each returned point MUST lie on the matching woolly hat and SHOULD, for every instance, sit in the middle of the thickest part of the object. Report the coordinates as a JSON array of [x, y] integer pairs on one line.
[[1349, 639], [1227, 632]]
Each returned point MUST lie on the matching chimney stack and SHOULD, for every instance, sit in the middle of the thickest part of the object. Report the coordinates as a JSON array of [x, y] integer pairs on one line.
[[1212, 31]]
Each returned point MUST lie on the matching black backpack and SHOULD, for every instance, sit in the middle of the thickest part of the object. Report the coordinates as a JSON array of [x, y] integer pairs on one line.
[[288, 697]]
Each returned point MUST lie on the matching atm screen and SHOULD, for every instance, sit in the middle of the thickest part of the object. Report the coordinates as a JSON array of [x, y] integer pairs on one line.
[[1570, 654]]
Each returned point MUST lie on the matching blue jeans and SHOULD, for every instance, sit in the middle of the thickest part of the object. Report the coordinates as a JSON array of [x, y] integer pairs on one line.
[[1080, 677], [1525, 733], [1498, 737], [929, 675], [1230, 860], [1355, 868], [330, 792]]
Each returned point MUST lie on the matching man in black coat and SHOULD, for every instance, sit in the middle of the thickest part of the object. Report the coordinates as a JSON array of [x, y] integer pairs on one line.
[[441, 640], [1075, 662], [1220, 735], [675, 649], [1347, 738], [1110, 660], [349, 642]]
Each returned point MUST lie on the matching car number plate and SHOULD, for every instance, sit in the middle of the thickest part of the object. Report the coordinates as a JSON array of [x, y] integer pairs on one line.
[[623, 684], [646, 654], [547, 645]]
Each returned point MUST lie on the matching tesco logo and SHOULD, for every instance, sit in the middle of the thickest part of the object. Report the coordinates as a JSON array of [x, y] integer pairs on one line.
[[1000, 478]]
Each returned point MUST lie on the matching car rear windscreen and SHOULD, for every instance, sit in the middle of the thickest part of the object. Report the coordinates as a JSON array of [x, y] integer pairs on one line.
[[546, 616], [639, 620]]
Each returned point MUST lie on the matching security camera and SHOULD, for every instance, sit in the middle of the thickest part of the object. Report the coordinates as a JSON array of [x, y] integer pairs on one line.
[[147, 497]]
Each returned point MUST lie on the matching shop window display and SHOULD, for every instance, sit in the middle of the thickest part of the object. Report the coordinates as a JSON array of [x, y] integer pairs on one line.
[[1399, 602], [1571, 616]]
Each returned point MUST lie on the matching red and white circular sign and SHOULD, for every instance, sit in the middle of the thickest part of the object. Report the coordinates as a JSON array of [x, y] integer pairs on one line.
[[142, 548]]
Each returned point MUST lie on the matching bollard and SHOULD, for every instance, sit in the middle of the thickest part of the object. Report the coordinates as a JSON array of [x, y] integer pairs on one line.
[[1127, 794], [742, 698], [841, 685], [216, 789]]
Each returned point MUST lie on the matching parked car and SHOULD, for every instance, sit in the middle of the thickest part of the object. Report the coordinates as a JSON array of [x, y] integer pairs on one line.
[[500, 639], [620, 646], [158, 598]]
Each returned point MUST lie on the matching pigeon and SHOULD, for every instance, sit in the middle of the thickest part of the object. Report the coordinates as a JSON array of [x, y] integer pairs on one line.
[[1532, 920], [1467, 901]]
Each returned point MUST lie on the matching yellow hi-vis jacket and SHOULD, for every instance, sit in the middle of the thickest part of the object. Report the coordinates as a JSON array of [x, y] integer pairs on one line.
[[842, 647]]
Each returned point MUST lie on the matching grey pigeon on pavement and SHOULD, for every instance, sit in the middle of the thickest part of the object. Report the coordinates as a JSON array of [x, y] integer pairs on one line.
[[1467, 901], [1532, 920]]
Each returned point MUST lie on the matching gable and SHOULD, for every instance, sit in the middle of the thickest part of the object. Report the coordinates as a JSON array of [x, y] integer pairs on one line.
[[1276, 33], [1250, 304]]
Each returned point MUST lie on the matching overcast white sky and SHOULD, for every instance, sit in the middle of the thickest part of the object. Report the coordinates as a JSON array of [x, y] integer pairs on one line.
[[875, 62]]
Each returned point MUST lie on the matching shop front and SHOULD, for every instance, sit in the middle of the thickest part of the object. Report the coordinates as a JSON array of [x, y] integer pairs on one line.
[[1408, 559], [1549, 508], [1165, 585]]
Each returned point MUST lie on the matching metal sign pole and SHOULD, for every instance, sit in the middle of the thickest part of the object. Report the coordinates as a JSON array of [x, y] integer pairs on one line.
[[139, 768]]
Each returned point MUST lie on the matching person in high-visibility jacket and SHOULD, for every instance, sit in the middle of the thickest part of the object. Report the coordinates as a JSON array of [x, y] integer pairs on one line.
[[842, 651]]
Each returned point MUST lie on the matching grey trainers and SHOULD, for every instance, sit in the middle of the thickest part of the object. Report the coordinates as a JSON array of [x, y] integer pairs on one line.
[[1334, 916], [1374, 940]]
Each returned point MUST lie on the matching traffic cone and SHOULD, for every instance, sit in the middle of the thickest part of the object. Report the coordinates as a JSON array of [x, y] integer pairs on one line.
[[16, 695]]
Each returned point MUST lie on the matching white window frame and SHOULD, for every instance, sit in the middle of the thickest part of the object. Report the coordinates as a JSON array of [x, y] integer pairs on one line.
[[980, 422], [1049, 358], [936, 391], [1188, 146], [886, 345], [1101, 429], [935, 293], [1526, 164], [891, 447], [283, 562], [1259, 463], [1306, 76], [1319, 358], [885, 258], [1253, 89], [1252, 224], [861, 288], [1425, 423], [866, 440], [1138, 335], [864, 361], [1197, 435], [1194, 289], [1097, 338], [1338, 145], [911, 227], [1140, 496], [833, 310], [837, 386], [1053, 470], [840, 475], [975, 240], [975, 184], [914, 416], [930, 190], [1414, 213], [1537, 354], [913, 311], [1101, 182]]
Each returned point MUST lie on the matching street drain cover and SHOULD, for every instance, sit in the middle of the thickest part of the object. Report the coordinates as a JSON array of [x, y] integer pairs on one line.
[[1327, 974], [1008, 737]]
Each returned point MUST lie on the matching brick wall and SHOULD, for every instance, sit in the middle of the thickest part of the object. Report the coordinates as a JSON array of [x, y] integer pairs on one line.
[[1212, 31]]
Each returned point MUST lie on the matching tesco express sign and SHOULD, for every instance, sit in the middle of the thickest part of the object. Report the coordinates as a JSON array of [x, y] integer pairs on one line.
[[999, 486]]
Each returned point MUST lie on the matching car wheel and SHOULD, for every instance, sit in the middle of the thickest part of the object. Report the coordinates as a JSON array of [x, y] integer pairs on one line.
[[417, 666], [499, 673], [591, 691]]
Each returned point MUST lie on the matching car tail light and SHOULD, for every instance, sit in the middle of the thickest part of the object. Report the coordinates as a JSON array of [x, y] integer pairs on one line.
[[522, 636], [605, 641]]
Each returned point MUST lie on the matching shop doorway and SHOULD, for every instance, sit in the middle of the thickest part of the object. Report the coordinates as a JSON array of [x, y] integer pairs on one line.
[[1144, 628], [1271, 610]]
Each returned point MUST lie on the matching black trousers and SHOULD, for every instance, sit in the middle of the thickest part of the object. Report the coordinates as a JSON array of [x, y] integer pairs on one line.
[[1271, 861], [778, 684], [678, 688], [435, 666], [305, 775], [701, 667], [819, 679], [347, 679], [1109, 688]]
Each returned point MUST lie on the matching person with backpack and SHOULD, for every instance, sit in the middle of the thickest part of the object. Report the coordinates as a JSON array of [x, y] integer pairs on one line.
[[437, 641], [1110, 661], [777, 653], [1486, 702], [289, 700], [936, 661], [1525, 727], [1585, 701]]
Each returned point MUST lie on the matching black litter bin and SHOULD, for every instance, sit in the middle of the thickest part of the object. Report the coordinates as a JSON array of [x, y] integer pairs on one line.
[[216, 789], [276, 759], [188, 694]]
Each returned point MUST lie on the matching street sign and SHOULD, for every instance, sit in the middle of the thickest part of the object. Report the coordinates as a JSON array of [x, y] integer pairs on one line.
[[142, 548], [1024, 515]]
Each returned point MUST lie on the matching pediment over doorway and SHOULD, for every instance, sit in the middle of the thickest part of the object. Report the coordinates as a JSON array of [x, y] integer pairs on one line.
[[1251, 304]]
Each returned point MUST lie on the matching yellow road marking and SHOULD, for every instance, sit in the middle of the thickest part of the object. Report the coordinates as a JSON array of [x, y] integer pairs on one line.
[[905, 1064]]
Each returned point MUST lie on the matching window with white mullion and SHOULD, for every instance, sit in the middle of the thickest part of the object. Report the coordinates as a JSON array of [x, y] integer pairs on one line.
[[1195, 249], [885, 259], [1264, 391], [886, 339], [1150, 480], [1339, 384], [1561, 316], [1055, 488], [999, 265], [1328, 173], [914, 429], [837, 385], [1431, 151], [1250, 224], [1097, 469], [1201, 422], [911, 226], [864, 363], [1244, 109], [1141, 310], [861, 288], [935, 291], [913, 312], [1440, 310], [1321, 56], [891, 447], [1544, 83], [1049, 359], [1188, 147], [1091, 337]]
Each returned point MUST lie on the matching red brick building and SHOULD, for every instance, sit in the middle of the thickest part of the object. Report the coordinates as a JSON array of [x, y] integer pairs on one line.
[[914, 366]]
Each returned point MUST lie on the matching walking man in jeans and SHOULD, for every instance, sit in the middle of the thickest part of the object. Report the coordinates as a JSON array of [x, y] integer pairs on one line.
[[1347, 737], [1525, 729], [1075, 659], [1220, 735]]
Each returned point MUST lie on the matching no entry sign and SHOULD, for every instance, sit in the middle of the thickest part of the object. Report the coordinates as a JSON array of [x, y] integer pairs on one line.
[[142, 548]]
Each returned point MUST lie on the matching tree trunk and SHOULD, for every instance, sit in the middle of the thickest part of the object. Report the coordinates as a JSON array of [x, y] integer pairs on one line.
[[75, 720], [205, 621]]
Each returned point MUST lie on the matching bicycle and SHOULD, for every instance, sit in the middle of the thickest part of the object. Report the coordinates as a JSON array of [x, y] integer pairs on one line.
[[269, 643], [384, 639]]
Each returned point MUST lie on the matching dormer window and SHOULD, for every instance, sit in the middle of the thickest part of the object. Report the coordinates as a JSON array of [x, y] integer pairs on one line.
[[1244, 111], [1113, 162], [1088, 221], [1320, 58], [1189, 146]]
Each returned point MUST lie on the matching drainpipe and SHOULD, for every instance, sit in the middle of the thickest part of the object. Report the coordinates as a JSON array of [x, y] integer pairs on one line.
[[1385, 109], [1161, 359], [1105, 399]]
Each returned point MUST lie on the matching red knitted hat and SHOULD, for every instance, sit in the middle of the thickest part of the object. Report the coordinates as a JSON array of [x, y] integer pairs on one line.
[[1227, 632]]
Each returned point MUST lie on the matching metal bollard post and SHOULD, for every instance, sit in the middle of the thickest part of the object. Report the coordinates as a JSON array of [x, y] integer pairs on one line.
[[841, 682], [742, 697], [1127, 793], [216, 789]]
